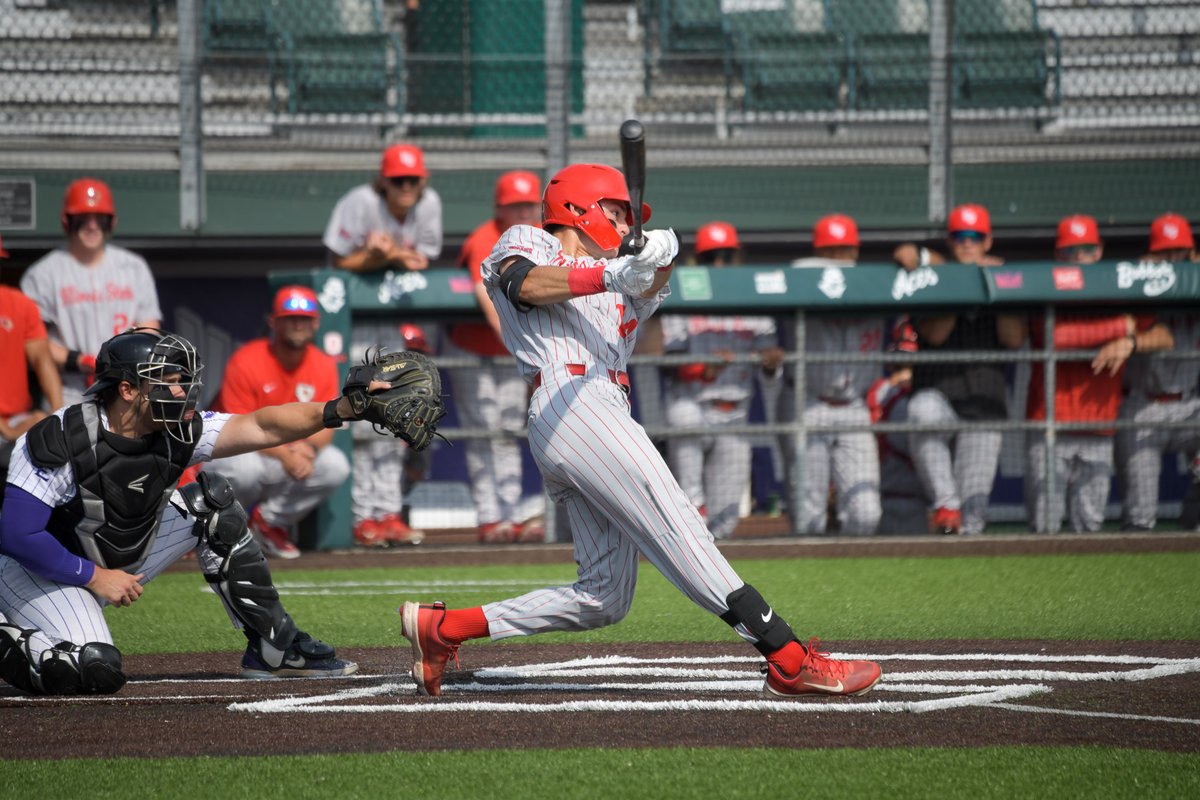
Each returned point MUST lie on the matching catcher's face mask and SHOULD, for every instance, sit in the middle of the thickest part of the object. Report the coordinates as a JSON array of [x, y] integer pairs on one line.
[[171, 375]]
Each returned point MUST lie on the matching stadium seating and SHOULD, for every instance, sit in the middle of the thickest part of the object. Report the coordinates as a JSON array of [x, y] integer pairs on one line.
[[236, 25], [786, 70]]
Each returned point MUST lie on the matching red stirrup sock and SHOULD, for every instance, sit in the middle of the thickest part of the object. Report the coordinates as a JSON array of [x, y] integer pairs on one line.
[[788, 658], [464, 623]]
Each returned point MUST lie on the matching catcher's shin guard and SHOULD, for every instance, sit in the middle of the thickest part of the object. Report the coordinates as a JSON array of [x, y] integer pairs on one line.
[[755, 621], [16, 659], [92, 668], [243, 580]]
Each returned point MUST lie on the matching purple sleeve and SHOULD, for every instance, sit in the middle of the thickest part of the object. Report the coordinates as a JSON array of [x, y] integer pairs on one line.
[[24, 538]]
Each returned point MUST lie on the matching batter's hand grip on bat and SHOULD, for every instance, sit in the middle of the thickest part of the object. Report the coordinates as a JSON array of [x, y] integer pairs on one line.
[[633, 163]]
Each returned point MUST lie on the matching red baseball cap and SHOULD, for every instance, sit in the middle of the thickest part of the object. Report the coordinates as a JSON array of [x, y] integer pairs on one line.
[[518, 187], [716, 236], [403, 161], [1171, 232], [970, 217], [1075, 230], [835, 230], [414, 338], [296, 301]]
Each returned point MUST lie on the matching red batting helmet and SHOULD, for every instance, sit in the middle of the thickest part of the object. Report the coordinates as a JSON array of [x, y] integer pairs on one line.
[[1171, 232], [1076, 230], [88, 196], [584, 186], [414, 338], [716, 236], [403, 161], [835, 230], [970, 218]]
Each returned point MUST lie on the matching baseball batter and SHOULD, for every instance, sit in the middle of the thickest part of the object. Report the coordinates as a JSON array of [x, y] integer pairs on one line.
[[1158, 391], [714, 469], [836, 395], [569, 310], [91, 289], [393, 223], [493, 396], [92, 513]]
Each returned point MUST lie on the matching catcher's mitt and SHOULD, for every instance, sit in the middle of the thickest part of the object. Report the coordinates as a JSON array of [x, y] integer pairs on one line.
[[411, 407]]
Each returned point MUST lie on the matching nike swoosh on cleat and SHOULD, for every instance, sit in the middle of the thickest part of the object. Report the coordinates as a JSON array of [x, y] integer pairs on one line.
[[767, 616], [836, 689]]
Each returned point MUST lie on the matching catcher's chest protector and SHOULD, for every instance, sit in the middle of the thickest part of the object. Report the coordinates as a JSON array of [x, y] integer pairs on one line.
[[123, 485]]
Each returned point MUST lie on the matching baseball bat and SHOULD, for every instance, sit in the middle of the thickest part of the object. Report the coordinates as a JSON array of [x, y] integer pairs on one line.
[[633, 163]]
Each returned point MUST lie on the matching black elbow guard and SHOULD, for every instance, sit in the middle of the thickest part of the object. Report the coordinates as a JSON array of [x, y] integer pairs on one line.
[[512, 279]]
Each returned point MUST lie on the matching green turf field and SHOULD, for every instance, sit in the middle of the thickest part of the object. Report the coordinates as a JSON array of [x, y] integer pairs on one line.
[[1100, 597]]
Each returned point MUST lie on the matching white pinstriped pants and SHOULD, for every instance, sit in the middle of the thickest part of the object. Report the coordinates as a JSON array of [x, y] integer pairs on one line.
[[72, 613], [622, 501]]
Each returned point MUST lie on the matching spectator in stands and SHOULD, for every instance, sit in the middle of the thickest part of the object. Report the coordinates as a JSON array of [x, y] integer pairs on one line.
[[282, 484], [836, 395], [714, 468], [393, 224], [24, 346], [1161, 391], [1084, 391], [958, 469], [493, 396], [91, 289]]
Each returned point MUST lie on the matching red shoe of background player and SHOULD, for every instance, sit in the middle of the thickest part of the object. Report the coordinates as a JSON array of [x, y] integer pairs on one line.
[[531, 531], [947, 521], [421, 625], [273, 539], [370, 533], [497, 532], [397, 532], [820, 674]]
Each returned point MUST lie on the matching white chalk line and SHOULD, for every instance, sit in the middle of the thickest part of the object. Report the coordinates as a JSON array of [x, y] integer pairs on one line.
[[1100, 714]]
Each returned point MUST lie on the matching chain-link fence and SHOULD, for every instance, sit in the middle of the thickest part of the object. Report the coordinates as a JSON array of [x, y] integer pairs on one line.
[[769, 111]]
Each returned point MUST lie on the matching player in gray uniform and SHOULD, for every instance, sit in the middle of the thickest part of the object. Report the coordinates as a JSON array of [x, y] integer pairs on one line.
[[569, 311], [1158, 391], [394, 223], [92, 514], [91, 289], [714, 469], [836, 394], [958, 470]]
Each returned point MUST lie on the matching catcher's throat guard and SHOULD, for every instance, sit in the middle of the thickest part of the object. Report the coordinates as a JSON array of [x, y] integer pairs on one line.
[[411, 405]]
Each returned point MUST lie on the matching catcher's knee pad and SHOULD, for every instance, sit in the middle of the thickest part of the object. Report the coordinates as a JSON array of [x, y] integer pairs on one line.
[[220, 518], [92, 668], [748, 609], [16, 660], [243, 582]]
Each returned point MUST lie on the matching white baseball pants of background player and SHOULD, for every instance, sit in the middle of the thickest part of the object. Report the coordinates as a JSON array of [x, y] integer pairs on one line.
[[1140, 451], [1082, 475], [492, 397], [851, 459], [712, 470], [622, 501], [259, 480], [377, 489], [957, 470]]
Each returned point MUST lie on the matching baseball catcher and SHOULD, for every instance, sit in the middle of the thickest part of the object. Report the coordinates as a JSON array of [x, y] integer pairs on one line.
[[411, 405]]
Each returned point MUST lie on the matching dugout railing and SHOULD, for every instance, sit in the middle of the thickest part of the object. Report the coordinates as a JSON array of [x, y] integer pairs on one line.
[[792, 295]]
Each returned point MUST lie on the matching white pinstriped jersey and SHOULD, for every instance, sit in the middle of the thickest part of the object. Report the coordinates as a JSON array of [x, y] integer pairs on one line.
[[362, 211], [704, 336], [598, 329], [55, 487]]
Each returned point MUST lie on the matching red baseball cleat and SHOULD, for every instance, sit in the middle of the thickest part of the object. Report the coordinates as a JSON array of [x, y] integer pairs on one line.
[[947, 521], [370, 533], [397, 533], [497, 532], [820, 674], [421, 625], [273, 539]]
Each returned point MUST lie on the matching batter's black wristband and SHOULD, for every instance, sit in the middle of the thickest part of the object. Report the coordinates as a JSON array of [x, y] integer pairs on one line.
[[72, 362], [330, 416]]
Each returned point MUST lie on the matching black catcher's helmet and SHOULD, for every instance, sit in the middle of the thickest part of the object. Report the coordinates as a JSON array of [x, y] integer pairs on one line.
[[151, 355]]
